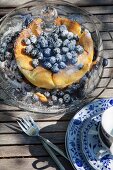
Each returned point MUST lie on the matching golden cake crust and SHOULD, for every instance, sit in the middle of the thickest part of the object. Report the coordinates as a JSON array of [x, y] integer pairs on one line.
[[44, 78]]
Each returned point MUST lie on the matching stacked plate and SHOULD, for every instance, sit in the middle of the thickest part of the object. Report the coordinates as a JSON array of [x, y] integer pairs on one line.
[[83, 140]]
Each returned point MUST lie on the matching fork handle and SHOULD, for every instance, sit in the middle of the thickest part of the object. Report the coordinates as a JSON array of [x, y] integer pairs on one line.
[[58, 150], [53, 156]]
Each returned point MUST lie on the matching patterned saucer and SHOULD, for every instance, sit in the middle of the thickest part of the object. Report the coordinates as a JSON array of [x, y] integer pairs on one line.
[[92, 145], [73, 135]]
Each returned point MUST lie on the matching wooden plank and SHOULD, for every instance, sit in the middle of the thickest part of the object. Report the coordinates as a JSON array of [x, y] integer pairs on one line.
[[104, 17], [10, 116], [22, 139], [108, 53], [39, 163], [49, 126], [7, 107], [107, 45], [25, 151], [105, 36], [92, 9]]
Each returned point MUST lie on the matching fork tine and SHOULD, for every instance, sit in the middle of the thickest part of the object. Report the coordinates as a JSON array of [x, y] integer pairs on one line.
[[31, 119], [26, 121], [21, 126], [33, 122]]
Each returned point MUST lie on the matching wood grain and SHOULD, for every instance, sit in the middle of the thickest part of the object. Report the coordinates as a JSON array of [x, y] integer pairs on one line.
[[25, 151], [22, 139], [39, 163]]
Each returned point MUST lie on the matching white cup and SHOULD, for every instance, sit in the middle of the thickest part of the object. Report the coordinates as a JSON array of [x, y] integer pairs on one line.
[[107, 127]]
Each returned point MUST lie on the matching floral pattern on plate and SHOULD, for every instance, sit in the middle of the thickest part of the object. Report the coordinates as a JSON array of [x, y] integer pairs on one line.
[[91, 145], [73, 135]]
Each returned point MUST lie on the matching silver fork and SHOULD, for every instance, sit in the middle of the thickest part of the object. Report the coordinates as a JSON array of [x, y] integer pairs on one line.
[[28, 125]]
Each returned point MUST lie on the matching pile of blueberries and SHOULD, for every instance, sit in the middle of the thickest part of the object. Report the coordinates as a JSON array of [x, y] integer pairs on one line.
[[54, 51]]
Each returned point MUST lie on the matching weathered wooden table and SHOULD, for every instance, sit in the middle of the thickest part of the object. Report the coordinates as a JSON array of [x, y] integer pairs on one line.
[[18, 151]]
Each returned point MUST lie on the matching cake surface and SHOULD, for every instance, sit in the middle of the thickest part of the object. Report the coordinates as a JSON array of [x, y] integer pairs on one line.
[[44, 78]]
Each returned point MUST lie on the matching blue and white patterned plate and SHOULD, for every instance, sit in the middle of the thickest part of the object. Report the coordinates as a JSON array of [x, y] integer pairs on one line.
[[92, 145], [73, 135]]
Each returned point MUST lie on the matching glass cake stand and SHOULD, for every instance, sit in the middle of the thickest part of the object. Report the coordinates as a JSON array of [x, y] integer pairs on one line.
[[17, 20]]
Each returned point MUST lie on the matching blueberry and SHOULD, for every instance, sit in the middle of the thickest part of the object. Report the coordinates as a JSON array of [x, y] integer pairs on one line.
[[55, 68], [19, 78], [105, 62], [88, 74], [73, 60], [38, 47], [35, 62], [27, 87], [44, 43], [2, 50], [58, 43], [65, 49], [13, 65], [71, 46], [60, 100], [58, 57], [33, 39], [35, 98], [74, 54], [61, 93], [66, 98], [47, 94], [27, 20], [40, 56], [50, 42], [80, 66], [66, 42], [45, 35], [54, 98], [70, 35], [75, 87], [8, 38], [54, 92], [55, 36], [75, 37], [4, 45], [41, 38], [11, 76], [62, 28], [52, 60], [64, 33], [50, 102], [26, 41], [83, 81], [28, 49], [62, 65], [47, 52], [8, 55], [64, 58], [69, 56], [56, 50], [34, 52], [79, 49], [7, 63], [47, 65]]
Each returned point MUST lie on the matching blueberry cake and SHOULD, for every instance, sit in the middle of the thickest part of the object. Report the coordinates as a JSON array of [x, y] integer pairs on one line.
[[51, 68]]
